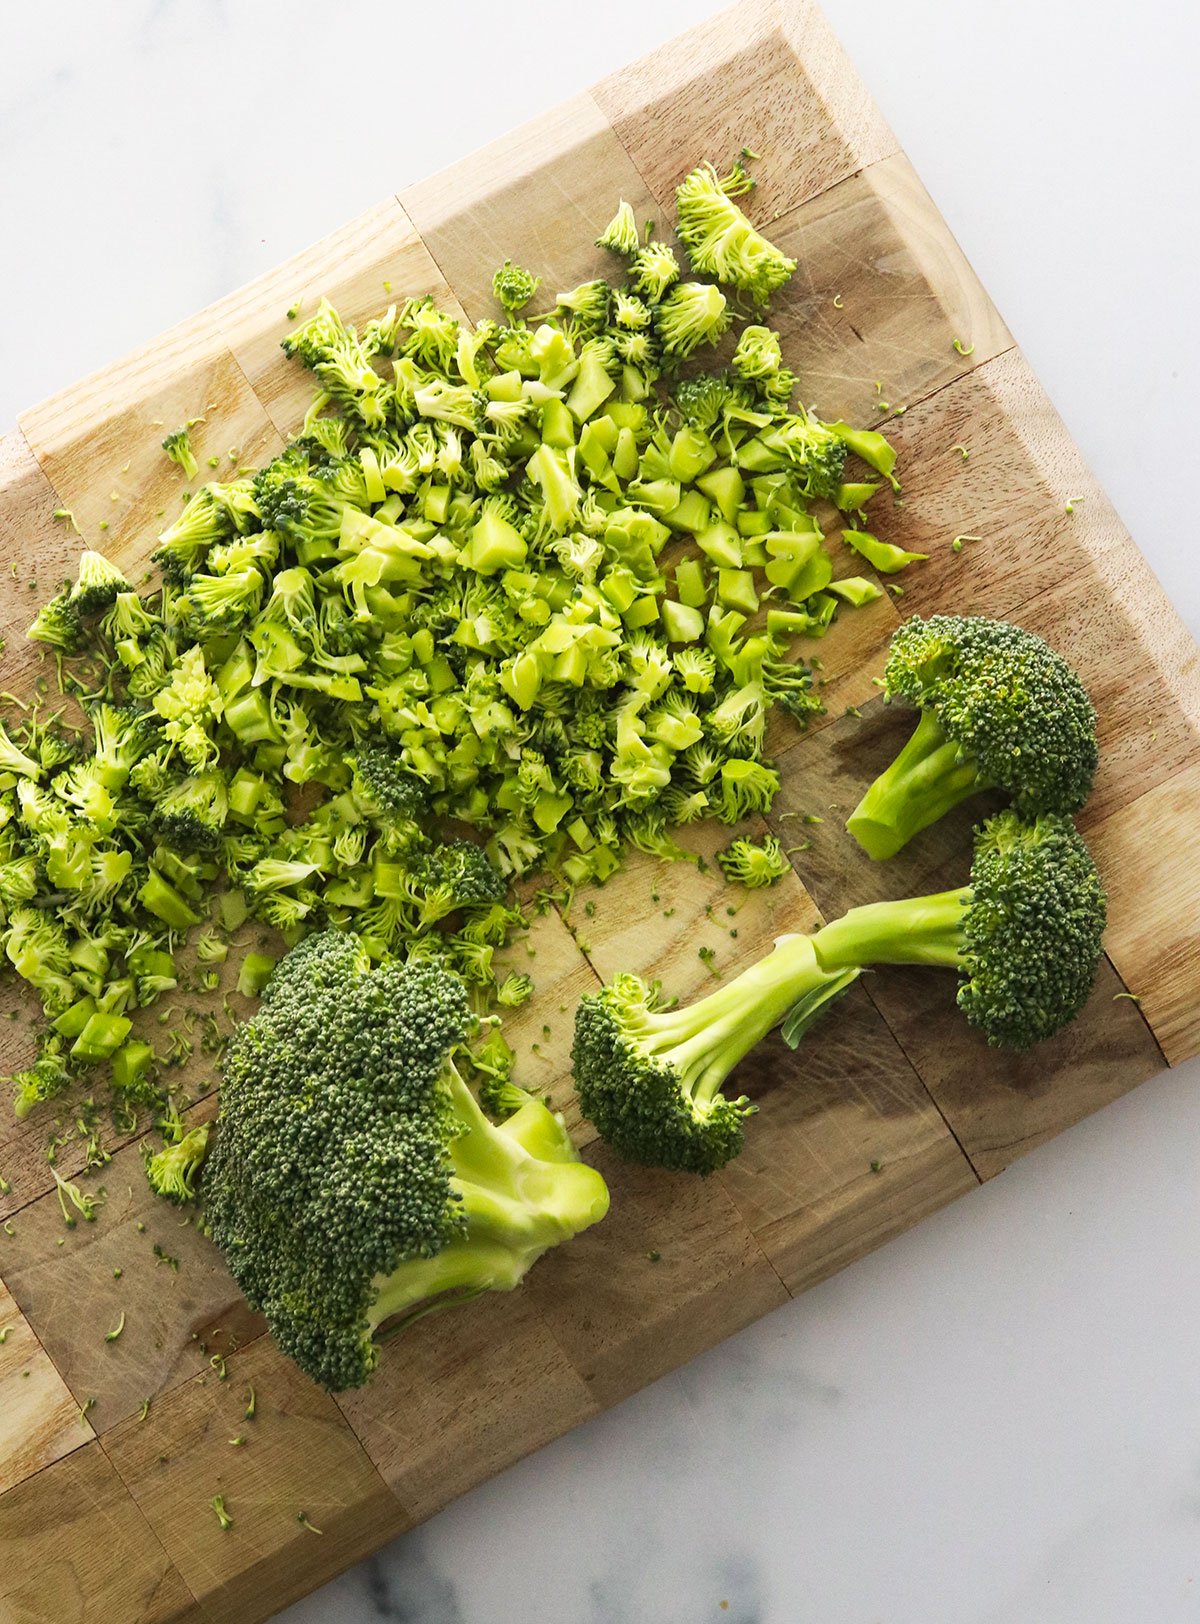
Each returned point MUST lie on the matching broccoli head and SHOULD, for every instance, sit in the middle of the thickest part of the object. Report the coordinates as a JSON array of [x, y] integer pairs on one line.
[[1024, 934], [999, 710], [355, 1182], [650, 1077]]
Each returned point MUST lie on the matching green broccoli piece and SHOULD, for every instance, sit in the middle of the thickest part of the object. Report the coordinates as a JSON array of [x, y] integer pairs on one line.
[[182, 546], [44, 1080], [97, 584], [14, 760], [178, 447], [513, 287], [999, 710], [355, 1183], [516, 989], [172, 1171], [650, 1077], [1024, 934], [191, 816], [693, 313], [753, 863], [720, 241], [57, 623], [621, 233], [653, 270]]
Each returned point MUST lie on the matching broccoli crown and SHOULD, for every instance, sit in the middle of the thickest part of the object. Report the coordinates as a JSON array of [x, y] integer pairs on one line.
[[1009, 702], [387, 790], [1024, 935], [1032, 929], [330, 1164], [355, 1180], [463, 868]]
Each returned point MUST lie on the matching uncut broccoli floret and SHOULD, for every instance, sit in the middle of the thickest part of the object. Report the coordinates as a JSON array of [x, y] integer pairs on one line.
[[355, 1183], [1024, 934], [513, 287], [650, 1078], [720, 241], [173, 1171], [999, 710], [178, 446], [753, 863], [57, 623]]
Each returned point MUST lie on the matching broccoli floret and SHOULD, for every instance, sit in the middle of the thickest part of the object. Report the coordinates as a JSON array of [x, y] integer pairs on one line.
[[1024, 935], [97, 584], [14, 760], [650, 1078], [463, 869], [57, 623], [753, 863], [759, 359], [355, 1183], [816, 450], [720, 241], [178, 446], [621, 232], [46, 1079], [693, 313], [516, 989], [999, 710], [513, 287], [386, 791], [182, 546], [587, 305], [191, 816], [172, 1171], [653, 270]]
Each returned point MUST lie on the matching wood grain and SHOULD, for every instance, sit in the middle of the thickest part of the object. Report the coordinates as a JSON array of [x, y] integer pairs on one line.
[[299, 1455], [77, 1550], [893, 1109], [39, 1420]]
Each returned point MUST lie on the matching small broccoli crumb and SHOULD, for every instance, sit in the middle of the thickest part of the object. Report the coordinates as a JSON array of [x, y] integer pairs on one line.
[[217, 1503], [302, 1519], [117, 1330]]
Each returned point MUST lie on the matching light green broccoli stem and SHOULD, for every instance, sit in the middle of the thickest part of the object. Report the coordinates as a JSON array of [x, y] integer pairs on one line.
[[523, 1190], [178, 446], [929, 778], [913, 930], [705, 1040]]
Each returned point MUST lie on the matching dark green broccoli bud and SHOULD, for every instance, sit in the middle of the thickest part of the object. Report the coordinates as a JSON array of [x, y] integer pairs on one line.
[[753, 864], [385, 790], [97, 584], [190, 817], [173, 1171], [513, 287], [999, 710], [1024, 935], [463, 869], [650, 1078], [57, 623], [720, 241], [355, 1183], [178, 446]]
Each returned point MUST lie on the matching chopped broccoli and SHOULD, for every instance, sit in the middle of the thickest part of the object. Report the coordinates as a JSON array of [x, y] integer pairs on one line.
[[621, 232], [57, 623], [355, 1183], [97, 584], [999, 710], [513, 287], [753, 863], [178, 447], [720, 240], [693, 313]]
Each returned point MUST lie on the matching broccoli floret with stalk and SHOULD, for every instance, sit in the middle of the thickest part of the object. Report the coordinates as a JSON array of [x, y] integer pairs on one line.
[[621, 232], [1024, 934], [97, 584], [513, 287], [650, 1078], [355, 1183], [14, 760], [720, 241], [44, 1080], [999, 710], [693, 313], [191, 816], [178, 446], [57, 623], [653, 270], [172, 1171], [753, 863]]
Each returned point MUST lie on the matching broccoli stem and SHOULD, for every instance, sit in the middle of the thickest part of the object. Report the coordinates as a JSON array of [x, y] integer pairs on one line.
[[913, 930], [522, 1191], [929, 778], [707, 1039]]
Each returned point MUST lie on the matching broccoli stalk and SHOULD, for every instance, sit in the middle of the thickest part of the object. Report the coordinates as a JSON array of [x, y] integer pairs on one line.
[[1024, 935], [650, 1078], [999, 709]]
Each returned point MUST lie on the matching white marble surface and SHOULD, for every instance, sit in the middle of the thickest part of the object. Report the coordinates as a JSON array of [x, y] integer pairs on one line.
[[996, 1420]]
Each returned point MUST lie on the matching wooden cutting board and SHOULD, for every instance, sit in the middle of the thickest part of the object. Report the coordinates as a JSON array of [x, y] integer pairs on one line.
[[896, 1109]]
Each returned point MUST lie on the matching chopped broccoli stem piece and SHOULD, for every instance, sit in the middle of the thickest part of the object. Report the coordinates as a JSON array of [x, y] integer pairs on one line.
[[178, 447]]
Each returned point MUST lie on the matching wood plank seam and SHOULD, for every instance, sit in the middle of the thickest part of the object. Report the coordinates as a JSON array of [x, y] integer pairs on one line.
[[149, 1528]]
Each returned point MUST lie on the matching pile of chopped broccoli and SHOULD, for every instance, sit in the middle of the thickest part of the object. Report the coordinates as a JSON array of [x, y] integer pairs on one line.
[[355, 1182], [999, 710], [1024, 936]]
